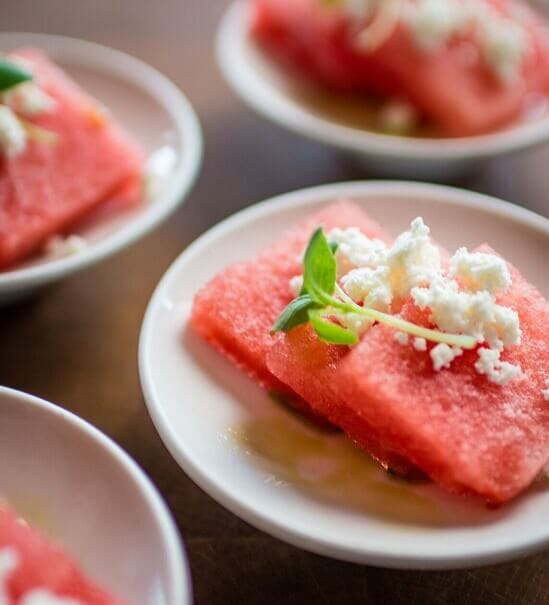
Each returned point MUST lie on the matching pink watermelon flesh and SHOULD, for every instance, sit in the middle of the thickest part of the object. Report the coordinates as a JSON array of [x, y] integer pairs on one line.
[[236, 310], [310, 367], [42, 565], [469, 435], [460, 98], [46, 189]]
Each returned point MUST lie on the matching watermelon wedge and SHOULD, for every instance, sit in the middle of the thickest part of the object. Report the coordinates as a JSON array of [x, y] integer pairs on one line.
[[236, 310], [49, 187], [469, 435], [451, 87], [30, 565]]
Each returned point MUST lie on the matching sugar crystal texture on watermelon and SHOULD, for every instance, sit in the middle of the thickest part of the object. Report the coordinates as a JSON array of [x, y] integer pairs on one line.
[[468, 434], [49, 187], [38, 565], [237, 309], [450, 87]]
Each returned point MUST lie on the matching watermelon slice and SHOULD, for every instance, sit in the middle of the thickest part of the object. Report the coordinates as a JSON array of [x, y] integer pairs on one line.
[[236, 310], [460, 97], [35, 565], [310, 367], [47, 188], [469, 435]]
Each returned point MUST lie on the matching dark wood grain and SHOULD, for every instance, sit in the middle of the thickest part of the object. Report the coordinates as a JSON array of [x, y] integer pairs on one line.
[[76, 344]]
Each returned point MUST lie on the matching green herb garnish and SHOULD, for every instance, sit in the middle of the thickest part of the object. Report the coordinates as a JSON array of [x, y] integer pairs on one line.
[[12, 74], [322, 301]]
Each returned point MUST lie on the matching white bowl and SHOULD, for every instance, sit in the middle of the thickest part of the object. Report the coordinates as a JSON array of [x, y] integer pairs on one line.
[[248, 453], [72, 482], [271, 92], [154, 110]]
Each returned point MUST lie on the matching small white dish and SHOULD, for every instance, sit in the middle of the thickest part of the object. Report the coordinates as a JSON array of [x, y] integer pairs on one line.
[[154, 110], [278, 96], [69, 480], [265, 464]]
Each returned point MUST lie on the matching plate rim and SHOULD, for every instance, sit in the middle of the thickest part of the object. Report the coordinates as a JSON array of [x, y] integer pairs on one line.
[[238, 506], [174, 103], [179, 570], [291, 115]]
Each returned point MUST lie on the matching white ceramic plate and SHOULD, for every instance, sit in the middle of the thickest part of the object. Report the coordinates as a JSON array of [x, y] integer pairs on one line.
[[72, 482], [264, 464], [279, 97], [150, 107]]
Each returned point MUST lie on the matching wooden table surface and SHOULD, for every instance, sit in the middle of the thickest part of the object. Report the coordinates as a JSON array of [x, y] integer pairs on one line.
[[76, 344]]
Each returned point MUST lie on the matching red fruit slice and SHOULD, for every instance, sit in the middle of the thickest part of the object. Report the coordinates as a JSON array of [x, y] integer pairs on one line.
[[41, 565], [47, 188], [451, 87], [469, 435], [236, 310]]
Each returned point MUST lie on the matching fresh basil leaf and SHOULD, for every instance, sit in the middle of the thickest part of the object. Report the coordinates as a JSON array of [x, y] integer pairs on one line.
[[320, 271], [333, 247], [332, 333], [12, 74], [295, 314]]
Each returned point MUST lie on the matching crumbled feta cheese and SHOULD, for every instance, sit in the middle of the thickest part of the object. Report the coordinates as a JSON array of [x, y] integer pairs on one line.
[[158, 169], [443, 355], [29, 100], [413, 260], [357, 323], [8, 563], [472, 313], [432, 22], [420, 344], [370, 287], [504, 45], [402, 338], [397, 117], [13, 138], [499, 372], [354, 250], [60, 247], [477, 271], [296, 284], [545, 392], [42, 596]]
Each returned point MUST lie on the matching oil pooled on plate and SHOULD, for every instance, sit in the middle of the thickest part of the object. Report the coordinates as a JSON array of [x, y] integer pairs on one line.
[[328, 467]]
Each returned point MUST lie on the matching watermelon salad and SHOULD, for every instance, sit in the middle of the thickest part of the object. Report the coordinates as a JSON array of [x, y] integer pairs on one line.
[[63, 158], [33, 571], [431, 362], [459, 67]]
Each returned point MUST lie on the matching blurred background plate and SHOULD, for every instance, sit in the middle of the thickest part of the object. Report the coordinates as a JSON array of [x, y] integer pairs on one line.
[[151, 108], [71, 482]]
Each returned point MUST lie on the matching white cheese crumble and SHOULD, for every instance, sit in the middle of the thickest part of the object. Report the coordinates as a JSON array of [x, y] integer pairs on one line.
[[499, 372], [397, 117], [158, 168], [41, 596], [443, 355], [504, 45], [296, 284], [402, 338], [13, 138], [29, 100], [9, 561], [478, 271], [461, 301], [545, 392], [420, 344], [432, 22], [60, 247], [502, 41]]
